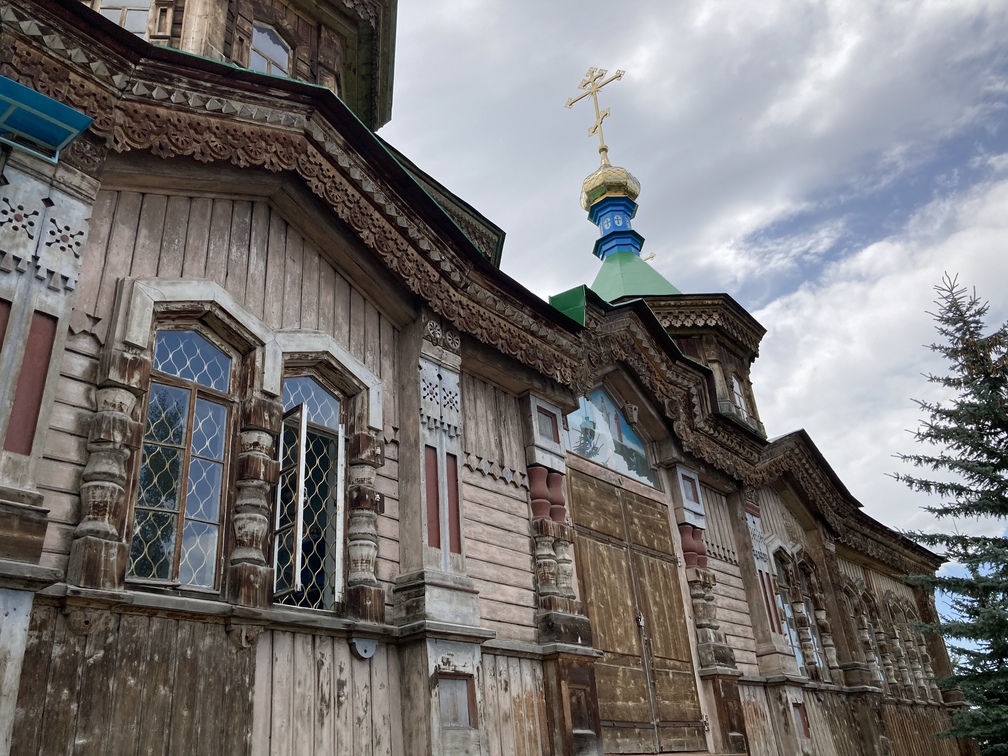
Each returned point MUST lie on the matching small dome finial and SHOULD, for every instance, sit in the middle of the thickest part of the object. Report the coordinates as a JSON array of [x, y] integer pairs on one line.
[[608, 180]]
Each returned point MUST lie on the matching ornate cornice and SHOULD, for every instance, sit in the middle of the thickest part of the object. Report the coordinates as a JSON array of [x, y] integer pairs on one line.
[[168, 109], [680, 388], [795, 458], [698, 313], [171, 119]]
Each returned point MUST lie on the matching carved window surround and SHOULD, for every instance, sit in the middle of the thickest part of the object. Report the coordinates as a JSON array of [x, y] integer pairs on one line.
[[98, 552], [253, 12]]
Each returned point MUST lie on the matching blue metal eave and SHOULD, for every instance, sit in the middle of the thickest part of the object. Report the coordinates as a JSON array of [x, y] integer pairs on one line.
[[38, 124]]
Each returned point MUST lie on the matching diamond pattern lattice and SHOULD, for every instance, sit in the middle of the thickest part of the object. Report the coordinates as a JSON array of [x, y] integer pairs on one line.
[[323, 408], [189, 356], [321, 570]]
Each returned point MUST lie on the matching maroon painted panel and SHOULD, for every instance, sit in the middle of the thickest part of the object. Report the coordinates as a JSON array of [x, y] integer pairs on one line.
[[4, 317], [454, 515], [31, 384], [433, 510]]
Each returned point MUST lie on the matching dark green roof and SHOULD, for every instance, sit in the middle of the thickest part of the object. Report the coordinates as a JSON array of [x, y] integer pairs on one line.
[[625, 274]]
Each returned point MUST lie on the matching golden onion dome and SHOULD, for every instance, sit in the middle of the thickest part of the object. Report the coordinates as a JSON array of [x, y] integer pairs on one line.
[[608, 181]]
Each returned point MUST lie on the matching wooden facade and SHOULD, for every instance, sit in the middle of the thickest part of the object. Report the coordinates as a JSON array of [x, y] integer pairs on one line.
[[468, 572]]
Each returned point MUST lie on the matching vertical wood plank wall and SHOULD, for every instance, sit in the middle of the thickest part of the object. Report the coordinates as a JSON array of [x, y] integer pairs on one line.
[[271, 268], [313, 697], [513, 695], [132, 684], [729, 592], [759, 727], [496, 511], [777, 520]]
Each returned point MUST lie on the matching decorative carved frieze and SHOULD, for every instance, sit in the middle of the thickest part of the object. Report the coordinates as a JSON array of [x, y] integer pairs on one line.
[[496, 471], [697, 312], [138, 106], [794, 457]]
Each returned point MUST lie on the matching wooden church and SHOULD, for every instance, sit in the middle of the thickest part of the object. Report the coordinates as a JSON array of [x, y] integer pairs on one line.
[[290, 467]]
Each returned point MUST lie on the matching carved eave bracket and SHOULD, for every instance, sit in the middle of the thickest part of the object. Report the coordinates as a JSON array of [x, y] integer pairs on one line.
[[679, 387]]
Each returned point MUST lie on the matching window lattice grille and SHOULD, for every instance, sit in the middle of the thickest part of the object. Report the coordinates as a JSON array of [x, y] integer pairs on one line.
[[176, 527], [309, 517], [189, 356]]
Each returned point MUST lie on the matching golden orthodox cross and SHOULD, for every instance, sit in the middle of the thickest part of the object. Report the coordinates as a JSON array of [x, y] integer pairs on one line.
[[593, 82]]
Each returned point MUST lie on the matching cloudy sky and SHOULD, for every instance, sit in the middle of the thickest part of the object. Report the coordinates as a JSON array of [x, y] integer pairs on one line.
[[822, 162]]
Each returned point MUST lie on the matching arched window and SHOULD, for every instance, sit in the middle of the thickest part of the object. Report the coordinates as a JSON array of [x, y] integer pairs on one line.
[[599, 431], [738, 396], [182, 480], [270, 53], [308, 541]]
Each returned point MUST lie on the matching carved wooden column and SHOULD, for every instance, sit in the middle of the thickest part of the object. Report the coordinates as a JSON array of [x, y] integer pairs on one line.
[[888, 666], [249, 576], [365, 598], [99, 553]]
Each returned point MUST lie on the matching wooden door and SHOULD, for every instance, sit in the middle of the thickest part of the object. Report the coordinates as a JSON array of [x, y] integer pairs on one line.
[[631, 590]]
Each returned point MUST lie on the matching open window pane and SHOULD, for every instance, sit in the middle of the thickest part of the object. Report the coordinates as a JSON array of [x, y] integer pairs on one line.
[[310, 512], [289, 524]]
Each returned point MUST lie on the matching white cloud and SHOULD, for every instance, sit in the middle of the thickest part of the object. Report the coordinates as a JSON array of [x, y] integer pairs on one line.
[[739, 117], [844, 355]]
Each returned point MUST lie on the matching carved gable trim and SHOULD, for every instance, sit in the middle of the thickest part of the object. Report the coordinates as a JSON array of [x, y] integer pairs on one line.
[[795, 459]]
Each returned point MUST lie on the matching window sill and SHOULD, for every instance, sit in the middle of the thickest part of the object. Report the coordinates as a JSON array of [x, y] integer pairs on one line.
[[210, 608]]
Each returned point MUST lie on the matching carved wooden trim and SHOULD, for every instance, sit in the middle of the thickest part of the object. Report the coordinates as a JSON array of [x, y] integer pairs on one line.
[[142, 107], [792, 458]]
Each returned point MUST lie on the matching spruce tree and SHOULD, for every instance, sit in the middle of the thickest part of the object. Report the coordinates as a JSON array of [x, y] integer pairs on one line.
[[967, 464]]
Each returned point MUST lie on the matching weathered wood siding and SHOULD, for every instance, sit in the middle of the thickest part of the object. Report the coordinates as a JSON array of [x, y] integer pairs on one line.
[[496, 510], [777, 520], [759, 727], [912, 730], [490, 427], [729, 592], [65, 452], [313, 696], [499, 553], [514, 701], [131, 684], [267, 264]]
